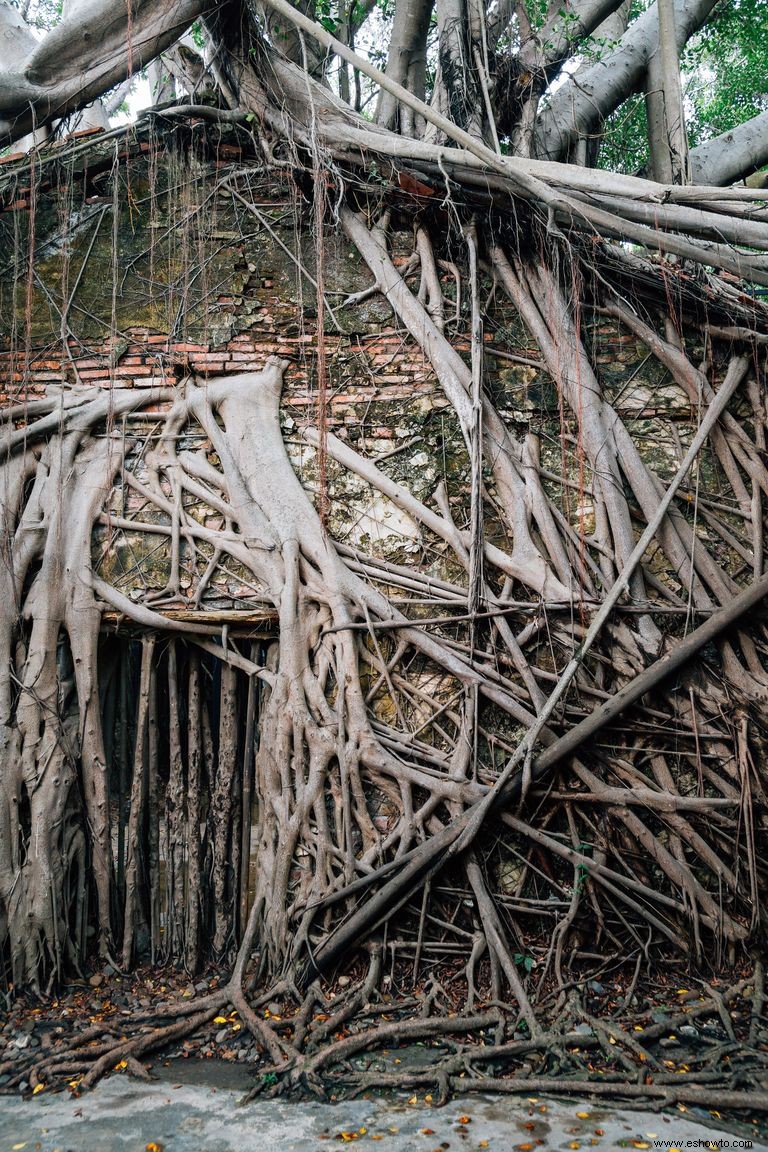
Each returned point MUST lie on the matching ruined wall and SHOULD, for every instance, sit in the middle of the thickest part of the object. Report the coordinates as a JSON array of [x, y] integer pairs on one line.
[[146, 260]]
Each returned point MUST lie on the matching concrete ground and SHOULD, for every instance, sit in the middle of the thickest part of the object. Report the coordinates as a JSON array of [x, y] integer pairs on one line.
[[123, 1115]]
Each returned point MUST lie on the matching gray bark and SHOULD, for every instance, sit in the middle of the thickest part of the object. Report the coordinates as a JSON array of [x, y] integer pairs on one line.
[[563, 32], [732, 155], [407, 53], [80, 59], [667, 136], [580, 107]]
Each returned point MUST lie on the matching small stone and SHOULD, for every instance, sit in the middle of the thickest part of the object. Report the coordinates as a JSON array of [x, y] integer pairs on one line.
[[273, 1008], [96, 980], [344, 981], [222, 1036], [22, 1040], [201, 986]]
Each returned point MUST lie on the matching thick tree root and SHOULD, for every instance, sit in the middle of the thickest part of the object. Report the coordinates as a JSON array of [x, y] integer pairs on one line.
[[344, 1051], [406, 777]]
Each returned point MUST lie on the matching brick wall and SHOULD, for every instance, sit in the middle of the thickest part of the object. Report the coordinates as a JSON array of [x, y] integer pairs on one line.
[[151, 269]]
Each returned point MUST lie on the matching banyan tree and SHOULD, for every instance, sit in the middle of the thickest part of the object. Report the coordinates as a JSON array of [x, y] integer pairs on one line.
[[383, 490]]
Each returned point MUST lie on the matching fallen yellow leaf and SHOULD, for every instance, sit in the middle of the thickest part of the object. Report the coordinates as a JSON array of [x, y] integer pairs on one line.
[[154, 1147], [583, 1115], [222, 1019], [119, 1067], [17, 1146], [413, 1100], [465, 1119], [38, 1088], [427, 1131]]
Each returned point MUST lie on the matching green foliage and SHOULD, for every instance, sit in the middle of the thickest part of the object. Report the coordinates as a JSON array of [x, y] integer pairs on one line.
[[624, 144], [725, 82], [325, 15], [726, 69]]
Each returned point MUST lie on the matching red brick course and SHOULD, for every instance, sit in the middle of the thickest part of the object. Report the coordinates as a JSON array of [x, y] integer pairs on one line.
[[355, 367]]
